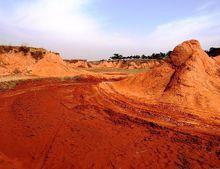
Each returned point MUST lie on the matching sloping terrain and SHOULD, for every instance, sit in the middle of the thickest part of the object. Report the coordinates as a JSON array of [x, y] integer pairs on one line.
[[59, 125], [190, 79], [77, 63], [167, 117], [122, 64], [217, 59], [38, 62], [32, 61]]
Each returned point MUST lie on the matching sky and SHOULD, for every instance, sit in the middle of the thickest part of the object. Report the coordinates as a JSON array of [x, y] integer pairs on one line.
[[96, 29]]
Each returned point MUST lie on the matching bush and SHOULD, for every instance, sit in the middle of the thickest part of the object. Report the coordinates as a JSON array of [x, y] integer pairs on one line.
[[37, 55], [24, 49], [213, 52], [16, 71], [5, 49], [56, 53]]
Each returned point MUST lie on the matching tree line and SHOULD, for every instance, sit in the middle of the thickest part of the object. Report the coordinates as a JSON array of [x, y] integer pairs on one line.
[[160, 55], [212, 52]]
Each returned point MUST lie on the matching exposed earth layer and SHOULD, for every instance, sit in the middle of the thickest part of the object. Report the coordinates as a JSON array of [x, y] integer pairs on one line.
[[167, 117]]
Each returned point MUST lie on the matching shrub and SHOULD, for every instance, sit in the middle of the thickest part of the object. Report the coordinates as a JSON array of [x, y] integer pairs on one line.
[[16, 71], [5, 49], [24, 49], [213, 52], [56, 53], [37, 55]]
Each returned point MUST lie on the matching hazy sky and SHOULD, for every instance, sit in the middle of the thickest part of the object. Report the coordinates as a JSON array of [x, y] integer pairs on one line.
[[95, 29]]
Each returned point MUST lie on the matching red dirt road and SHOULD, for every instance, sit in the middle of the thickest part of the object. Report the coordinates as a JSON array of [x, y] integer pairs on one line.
[[62, 125]]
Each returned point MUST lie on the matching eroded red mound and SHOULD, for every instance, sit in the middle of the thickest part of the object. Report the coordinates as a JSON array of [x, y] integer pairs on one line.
[[33, 61], [191, 80]]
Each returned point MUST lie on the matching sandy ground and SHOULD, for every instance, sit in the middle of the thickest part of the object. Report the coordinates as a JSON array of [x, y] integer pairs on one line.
[[53, 124], [56, 116]]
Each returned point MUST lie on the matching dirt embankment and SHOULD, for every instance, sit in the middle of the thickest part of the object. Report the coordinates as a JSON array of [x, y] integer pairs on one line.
[[189, 79], [32, 61], [122, 64], [28, 61], [77, 63], [217, 59]]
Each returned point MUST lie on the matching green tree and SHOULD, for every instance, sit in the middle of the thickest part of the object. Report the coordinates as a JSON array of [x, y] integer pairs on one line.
[[116, 56]]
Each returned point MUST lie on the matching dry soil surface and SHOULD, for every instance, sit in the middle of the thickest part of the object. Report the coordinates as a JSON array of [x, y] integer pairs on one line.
[[51, 124]]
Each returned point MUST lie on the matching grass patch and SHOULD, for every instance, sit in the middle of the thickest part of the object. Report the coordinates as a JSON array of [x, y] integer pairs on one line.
[[10, 82], [8, 85], [119, 70], [69, 78]]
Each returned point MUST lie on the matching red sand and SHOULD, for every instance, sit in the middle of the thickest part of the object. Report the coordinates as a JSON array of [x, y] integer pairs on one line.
[[165, 118], [57, 125], [217, 59], [48, 64], [122, 64], [43, 63], [190, 80]]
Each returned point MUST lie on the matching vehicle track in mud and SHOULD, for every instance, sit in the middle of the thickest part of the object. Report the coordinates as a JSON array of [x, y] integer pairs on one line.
[[64, 125]]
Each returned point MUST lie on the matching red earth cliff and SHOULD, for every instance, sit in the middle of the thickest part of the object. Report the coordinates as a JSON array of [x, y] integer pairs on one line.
[[189, 79]]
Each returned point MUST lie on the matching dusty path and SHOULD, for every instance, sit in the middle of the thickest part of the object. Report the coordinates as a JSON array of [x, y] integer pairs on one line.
[[63, 125]]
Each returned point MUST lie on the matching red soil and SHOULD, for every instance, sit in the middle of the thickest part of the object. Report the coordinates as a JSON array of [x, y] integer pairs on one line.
[[124, 64], [217, 59], [47, 64], [165, 118], [62, 125], [43, 63], [190, 80]]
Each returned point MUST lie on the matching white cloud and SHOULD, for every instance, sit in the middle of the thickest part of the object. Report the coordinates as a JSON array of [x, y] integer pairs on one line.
[[55, 16], [168, 35], [50, 21], [206, 6], [64, 26]]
